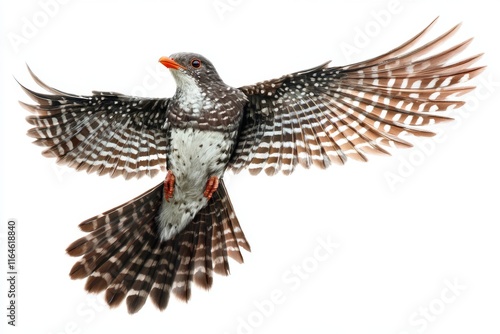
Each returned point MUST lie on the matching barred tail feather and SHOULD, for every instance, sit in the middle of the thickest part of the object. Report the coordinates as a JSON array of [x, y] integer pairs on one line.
[[124, 255]]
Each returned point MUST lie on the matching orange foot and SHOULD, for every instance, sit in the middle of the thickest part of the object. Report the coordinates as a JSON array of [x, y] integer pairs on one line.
[[168, 186], [212, 185]]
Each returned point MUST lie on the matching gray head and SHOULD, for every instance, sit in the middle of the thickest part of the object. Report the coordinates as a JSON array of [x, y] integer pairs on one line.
[[186, 66]]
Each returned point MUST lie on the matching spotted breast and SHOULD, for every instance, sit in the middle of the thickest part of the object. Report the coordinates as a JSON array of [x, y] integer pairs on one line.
[[195, 156]]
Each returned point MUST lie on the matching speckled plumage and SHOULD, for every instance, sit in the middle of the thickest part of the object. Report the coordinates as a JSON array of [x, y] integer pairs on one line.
[[195, 155], [150, 246]]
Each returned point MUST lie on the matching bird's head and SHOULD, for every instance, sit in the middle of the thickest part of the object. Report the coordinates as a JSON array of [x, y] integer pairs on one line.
[[189, 68], [199, 87]]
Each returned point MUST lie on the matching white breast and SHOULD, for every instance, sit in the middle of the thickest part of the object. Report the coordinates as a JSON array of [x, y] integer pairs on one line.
[[195, 156], [190, 96]]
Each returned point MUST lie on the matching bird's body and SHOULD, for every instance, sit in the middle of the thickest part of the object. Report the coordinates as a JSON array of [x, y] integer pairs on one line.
[[185, 228], [195, 155], [199, 146]]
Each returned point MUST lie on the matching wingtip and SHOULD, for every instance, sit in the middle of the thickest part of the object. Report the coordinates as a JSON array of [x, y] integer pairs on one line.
[[433, 21], [429, 26], [40, 82], [29, 68], [31, 108]]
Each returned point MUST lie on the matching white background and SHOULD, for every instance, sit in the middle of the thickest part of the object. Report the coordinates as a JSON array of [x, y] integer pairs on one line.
[[400, 246]]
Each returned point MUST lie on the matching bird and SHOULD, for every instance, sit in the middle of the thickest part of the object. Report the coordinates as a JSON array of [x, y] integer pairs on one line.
[[185, 229]]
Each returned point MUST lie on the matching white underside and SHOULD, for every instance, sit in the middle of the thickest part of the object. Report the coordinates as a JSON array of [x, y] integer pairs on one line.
[[193, 160]]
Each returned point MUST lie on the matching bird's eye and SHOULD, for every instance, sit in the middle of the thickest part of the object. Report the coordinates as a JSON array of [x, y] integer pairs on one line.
[[196, 63]]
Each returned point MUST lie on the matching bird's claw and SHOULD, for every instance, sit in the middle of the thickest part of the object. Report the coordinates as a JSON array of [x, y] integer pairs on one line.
[[211, 187], [168, 185]]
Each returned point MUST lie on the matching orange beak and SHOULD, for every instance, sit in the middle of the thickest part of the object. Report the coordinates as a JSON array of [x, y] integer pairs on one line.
[[170, 63]]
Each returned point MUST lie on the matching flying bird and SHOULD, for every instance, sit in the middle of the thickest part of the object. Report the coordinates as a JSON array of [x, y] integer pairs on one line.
[[185, 228]]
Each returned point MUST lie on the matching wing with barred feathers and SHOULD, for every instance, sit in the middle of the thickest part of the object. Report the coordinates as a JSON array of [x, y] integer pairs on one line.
[[105, 133], [327, 114]]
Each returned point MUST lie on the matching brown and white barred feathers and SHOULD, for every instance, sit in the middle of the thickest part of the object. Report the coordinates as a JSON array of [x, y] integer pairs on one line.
[[317, 116]]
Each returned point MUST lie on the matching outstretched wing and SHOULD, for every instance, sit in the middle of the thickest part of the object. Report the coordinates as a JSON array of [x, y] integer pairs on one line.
[[326, 114], [105, 133]]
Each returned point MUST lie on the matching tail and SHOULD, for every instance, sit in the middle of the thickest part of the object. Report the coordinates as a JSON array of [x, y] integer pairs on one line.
[[124, 255]]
